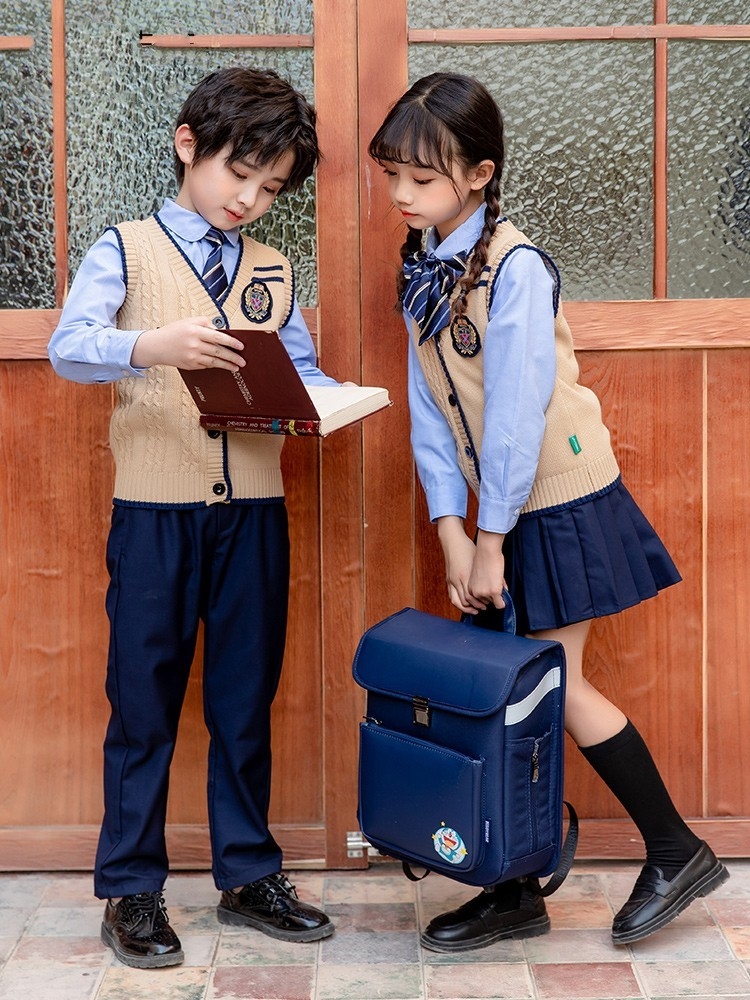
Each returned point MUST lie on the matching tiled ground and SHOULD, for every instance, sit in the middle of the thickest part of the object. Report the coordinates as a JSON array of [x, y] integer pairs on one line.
[[50, 948]]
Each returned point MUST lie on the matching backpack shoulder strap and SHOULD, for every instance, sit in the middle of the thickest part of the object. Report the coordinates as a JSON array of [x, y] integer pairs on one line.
[[567, 854]]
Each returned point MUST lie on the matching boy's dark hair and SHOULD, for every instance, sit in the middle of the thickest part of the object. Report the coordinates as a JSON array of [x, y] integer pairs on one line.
[[446, 120], [258, 114]]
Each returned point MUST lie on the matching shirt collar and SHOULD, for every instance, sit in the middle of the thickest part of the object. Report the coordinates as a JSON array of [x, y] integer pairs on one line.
[[463, 238], [189, 226]]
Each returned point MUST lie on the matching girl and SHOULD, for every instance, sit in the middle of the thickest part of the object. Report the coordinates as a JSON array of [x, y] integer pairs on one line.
[[495, 403]]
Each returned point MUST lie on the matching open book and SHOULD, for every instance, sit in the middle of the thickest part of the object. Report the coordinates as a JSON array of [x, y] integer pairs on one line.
[[267, 396]]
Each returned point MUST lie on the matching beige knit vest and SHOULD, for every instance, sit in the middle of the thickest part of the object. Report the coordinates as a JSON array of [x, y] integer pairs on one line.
[[162, 454], [576, 457]]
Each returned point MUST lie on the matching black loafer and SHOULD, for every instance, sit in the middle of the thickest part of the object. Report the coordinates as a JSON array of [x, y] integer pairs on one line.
[[271, 905], [654, 901], [138, 932], [478, 923]]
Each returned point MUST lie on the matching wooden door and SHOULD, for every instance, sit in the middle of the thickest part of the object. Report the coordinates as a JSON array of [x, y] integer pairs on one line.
[[662, 335], [90, 146], [627, 159]]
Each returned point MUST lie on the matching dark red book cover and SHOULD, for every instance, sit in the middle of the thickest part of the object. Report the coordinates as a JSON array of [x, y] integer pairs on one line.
[[268, 386]]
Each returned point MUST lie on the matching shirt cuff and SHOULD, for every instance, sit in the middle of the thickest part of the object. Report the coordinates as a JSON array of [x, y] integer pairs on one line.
[[498, 516], [442, 501], [118, 349]]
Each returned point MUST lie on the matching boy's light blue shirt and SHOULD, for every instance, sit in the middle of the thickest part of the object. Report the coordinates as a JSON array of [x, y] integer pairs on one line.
[[518, 349], [88, 347]]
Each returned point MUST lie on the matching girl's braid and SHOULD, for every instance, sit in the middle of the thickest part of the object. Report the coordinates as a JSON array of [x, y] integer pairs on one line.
[[478, 257]]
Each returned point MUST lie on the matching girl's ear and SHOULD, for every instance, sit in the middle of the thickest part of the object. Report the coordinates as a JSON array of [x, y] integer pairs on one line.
[[480, 175], [184, 143]]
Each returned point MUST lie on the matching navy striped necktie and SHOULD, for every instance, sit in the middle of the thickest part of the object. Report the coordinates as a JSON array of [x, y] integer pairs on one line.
[[429, 283], [213, 270]]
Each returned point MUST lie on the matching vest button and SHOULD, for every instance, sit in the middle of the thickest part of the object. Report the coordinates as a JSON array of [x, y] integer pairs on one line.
[[219, 489], [218, 322], [469, 451], [214, 434], [452, 400]]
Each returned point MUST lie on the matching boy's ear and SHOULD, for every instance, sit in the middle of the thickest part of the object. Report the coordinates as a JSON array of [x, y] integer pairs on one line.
[[184, 143], [481, 174]]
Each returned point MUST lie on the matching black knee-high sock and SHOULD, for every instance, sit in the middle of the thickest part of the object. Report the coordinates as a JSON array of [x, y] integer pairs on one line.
[[626, 766], [506, 896]]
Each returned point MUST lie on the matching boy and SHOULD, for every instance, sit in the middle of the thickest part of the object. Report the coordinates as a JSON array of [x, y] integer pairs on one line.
[[199, 526]]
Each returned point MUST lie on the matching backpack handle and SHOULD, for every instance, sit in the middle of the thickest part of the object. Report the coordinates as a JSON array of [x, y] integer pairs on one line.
[[497, 619]]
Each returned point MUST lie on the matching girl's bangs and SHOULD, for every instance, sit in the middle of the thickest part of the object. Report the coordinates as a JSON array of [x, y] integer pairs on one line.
[[413, 135]]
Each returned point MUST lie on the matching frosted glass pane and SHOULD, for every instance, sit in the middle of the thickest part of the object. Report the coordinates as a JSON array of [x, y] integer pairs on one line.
[[709, 169], [27, 236], [522, 14], [718, 12], [579, 144], [120, 125], [233, 17]]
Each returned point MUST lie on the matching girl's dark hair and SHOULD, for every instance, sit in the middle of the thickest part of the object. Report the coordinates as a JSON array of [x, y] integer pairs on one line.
[[257, 114], [447, 119]]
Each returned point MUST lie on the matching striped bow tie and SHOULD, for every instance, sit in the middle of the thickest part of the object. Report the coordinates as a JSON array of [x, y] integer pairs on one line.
[[429, 283]]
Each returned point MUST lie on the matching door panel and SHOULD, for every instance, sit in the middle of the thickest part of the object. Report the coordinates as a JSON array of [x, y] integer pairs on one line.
[[55, 497], [728, 583]]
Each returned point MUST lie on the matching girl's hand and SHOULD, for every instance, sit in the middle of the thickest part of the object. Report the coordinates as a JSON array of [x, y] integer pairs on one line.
[[459, 552], [485, 584], [190, 344]]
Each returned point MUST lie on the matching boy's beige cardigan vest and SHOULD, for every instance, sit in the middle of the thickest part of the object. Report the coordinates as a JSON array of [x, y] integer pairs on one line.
[[576, 458], [162, 454]]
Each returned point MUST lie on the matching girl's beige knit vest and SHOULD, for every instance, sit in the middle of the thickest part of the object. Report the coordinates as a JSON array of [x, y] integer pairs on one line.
[[576, 458], [162, 454]]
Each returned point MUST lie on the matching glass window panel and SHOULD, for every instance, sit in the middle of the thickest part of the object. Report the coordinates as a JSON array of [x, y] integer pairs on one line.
[[233, 17], [718, 12], [709, 169], [27, 235], [579, 177], [120, 125], [522, 14]]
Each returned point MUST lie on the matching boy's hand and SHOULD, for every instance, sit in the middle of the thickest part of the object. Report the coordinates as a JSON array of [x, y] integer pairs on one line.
[[188, 343]]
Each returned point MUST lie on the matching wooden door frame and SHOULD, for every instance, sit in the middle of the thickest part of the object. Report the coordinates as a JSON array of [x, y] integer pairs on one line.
[[341, 460]]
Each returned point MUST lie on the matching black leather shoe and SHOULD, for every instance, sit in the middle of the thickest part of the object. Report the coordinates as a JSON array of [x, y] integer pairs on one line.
[[138, 932], [654, 901], [478, 923], [271, 905]]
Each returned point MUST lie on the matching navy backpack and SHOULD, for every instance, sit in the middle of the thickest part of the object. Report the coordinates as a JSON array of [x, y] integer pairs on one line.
[[461, 750]]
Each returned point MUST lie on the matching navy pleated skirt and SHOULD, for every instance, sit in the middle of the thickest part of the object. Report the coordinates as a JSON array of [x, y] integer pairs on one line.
[[587, 560]]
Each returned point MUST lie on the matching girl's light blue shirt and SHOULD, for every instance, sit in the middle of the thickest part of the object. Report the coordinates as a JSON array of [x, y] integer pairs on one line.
[[519, 365], [88, 347]]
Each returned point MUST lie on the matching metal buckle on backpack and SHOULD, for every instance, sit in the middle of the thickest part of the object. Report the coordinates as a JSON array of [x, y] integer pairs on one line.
[[421, 708]]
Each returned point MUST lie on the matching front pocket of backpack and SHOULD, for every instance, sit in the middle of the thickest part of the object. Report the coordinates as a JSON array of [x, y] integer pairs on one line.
[[419, 800]]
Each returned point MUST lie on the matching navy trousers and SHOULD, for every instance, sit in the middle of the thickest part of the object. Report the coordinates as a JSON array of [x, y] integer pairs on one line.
[[229, 566]]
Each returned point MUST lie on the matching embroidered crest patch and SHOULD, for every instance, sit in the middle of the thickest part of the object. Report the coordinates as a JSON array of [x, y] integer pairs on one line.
[[449, 845], [256, 301], [465, 337]]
